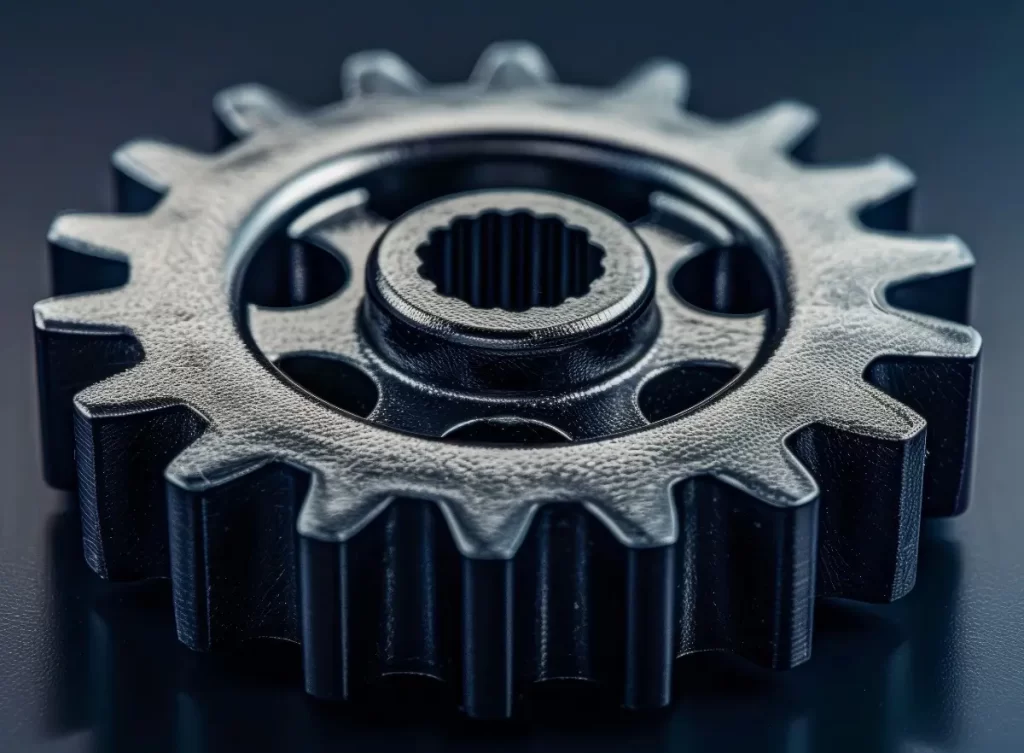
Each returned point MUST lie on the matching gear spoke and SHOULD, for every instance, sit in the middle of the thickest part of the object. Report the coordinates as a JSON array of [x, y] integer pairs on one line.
[[348, 231], [689, 334]]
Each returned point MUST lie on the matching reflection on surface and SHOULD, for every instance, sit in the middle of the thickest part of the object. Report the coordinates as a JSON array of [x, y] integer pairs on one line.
[[880, 678]]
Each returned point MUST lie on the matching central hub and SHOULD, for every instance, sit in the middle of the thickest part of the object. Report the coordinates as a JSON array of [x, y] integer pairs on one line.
[[510, 290], [512, 261]]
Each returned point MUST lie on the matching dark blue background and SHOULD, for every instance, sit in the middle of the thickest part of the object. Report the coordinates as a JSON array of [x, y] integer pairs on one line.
[[85, 666]]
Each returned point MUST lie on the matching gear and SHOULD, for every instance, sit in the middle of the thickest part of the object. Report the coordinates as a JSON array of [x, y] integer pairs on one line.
[[506, 381]]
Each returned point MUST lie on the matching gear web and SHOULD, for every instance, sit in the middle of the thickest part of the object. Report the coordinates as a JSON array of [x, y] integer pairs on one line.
[[387, 552]]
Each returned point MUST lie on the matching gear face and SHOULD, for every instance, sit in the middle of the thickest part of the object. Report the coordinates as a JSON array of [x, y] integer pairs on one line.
[[507, 381]]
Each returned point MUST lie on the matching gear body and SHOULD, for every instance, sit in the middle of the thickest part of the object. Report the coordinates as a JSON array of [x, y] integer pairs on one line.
[[205, 451]]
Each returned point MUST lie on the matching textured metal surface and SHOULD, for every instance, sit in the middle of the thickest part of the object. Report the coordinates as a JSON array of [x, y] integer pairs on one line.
[[710, 530]]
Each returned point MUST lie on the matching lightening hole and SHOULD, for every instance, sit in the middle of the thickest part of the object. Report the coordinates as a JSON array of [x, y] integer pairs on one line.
[[725, 280], [286, 272], [343, 385], [682, 387]]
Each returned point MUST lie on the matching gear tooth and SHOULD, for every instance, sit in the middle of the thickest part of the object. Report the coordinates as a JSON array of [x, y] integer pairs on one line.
[[620, 632], [211, 461], [785, 126], [76, 346], [146, 169], [246, 109], [925, 294], [650, 622], [904, 257], [511, 65], [929, 276], [92, 313], [745, 568], [103, 235], [419, 562], [330, 631], [660, 82], [487, 632], [870, 461], [924, 336], [559, 610], [233, 546], [648, 521], [931, 367], [379, 72], [130, 387], [122, 445], [860, 408], [90, 252], [338, 548], [878, 191]]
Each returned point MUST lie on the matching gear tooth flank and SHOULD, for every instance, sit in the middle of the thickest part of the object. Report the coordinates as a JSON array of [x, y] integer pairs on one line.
[[379, 72], [659, 82], [650, 619], [146, 169], [943, 390], [510, 65], [233, 557], [592, 609], [121, 454], [556, 605], [745, 573], [73, 351], [487, 679], [246, 109], [870, 506], [326, 618], [418, 560], [930, 276], [372, 605]]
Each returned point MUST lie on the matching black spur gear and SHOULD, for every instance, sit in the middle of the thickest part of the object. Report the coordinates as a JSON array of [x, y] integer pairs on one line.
[[506, 381]]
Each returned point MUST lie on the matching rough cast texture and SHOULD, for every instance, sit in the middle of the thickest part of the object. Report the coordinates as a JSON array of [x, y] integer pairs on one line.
[[494, 566]]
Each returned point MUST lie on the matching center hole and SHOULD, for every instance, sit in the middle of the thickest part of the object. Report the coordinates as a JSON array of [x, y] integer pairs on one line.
[[512, 261]]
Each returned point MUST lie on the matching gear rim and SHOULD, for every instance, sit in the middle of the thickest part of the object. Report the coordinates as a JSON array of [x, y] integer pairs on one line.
[[642, 543]]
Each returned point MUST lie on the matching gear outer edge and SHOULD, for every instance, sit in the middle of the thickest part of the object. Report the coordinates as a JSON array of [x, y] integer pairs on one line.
[[730, 572]]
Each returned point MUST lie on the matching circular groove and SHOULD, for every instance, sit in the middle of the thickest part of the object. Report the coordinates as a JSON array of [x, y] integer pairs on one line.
[[505, 430]]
